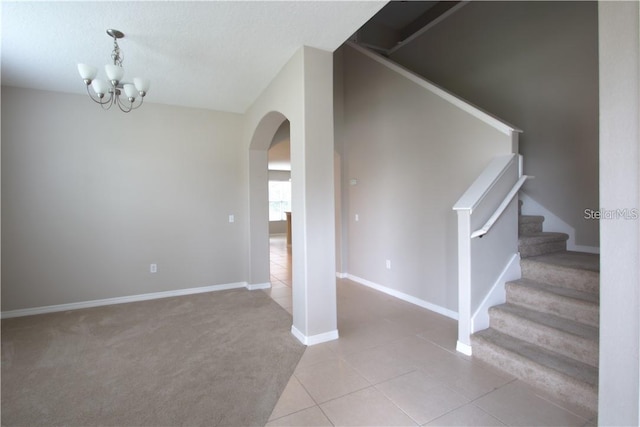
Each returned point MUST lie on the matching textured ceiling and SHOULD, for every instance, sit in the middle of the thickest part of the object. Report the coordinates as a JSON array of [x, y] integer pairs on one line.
[[217, 55]]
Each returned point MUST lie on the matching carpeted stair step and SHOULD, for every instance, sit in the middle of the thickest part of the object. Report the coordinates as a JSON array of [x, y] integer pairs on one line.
[[529, 224], [574, 270], [541, 243], [566, 379], [568, 303], [567, 337]]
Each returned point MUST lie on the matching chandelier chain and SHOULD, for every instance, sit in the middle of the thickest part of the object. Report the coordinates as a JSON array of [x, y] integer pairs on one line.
[[116, 55]]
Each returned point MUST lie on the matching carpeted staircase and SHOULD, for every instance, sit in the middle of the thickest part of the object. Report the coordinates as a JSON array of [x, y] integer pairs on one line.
[[547, 332]]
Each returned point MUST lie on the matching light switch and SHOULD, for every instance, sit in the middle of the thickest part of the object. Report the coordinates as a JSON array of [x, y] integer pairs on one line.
[[231, 218]]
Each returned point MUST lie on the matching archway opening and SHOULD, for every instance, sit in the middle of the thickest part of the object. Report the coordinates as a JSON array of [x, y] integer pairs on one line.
[[259, 247], [280, 235]]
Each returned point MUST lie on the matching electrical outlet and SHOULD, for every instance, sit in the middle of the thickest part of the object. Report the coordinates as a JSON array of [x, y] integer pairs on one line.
[[153, 268], [232, 218], [388, 264], [357, 217]]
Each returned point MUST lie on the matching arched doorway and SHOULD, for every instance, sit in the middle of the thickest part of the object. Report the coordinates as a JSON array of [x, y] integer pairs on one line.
[[258, 199], [280, 241]]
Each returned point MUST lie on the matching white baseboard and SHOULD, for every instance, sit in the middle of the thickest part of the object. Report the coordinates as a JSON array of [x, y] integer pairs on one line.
[[314, 339], [497, 294], [118, 300], [256, 286], [405, 297], [463, 348], [341, 275], [581, 248]]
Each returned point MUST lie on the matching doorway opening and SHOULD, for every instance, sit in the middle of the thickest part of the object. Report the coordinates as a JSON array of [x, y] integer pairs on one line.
[[280, 249]]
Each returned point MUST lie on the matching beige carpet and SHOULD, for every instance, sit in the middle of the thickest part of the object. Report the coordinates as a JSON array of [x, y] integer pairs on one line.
[[214, 359]]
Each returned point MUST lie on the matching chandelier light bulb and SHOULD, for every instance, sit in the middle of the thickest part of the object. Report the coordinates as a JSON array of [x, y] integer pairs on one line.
[[142, 85], [100, 87], [115, 73], [107, 93], [130, 91], [87, 72]]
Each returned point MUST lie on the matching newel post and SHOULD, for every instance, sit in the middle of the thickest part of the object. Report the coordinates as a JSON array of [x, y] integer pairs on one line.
[[464, 282]]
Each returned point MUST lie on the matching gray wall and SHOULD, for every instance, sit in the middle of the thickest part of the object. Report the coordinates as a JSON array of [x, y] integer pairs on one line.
[[413, 155], [534, 64], [90, 198]]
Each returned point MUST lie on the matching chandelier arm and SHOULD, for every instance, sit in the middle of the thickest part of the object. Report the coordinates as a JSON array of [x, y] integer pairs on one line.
[[108, 105], [122, 107], [126, 105], [139, 105], [98, 100]]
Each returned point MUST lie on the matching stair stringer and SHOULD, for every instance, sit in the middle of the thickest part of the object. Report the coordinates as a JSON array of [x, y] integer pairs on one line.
[[497, 295]]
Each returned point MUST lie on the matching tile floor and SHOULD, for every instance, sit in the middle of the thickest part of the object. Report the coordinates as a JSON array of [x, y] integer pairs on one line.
[[395, 364]]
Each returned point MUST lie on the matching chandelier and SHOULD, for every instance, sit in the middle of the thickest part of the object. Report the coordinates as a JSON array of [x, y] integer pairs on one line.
[[109, 93]]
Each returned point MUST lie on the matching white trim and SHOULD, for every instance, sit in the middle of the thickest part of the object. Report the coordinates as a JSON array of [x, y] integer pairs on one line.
[[256, 286], [497, 294], [478, 113], [464, 277], [405, 297], [500, 210], [341, 275], [118, 300], [463, 348], [314, 339]]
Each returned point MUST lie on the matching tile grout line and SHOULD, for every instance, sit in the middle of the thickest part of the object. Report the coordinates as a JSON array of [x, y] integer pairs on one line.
[[394, 403], [314, 400], [390, 318]]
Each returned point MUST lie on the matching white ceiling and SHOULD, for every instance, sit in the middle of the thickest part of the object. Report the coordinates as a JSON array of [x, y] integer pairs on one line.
[[218, 55]]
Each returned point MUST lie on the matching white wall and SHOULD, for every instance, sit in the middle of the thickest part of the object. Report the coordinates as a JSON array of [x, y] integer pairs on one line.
[[302, 92], [413, 155], [619, 396], [534, 64], [339, 165], [90, 198]]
